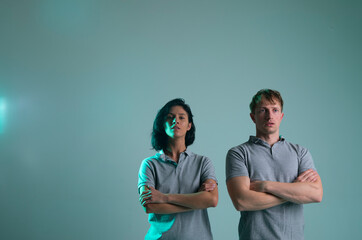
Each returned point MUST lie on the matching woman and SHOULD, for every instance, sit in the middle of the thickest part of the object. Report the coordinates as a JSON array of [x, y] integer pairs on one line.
[[177, 186]]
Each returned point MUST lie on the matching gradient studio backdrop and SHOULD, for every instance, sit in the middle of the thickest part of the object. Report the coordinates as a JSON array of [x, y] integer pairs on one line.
[[81, 82]]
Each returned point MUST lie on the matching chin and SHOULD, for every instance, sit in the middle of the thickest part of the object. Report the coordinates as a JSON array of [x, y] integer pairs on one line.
[[269, 131]]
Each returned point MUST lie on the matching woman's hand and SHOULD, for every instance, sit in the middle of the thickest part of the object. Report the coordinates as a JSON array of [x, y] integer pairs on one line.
[[152, 196], [207, 186]]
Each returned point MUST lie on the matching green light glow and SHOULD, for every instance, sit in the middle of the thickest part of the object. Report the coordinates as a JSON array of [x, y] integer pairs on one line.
[[2, 114]]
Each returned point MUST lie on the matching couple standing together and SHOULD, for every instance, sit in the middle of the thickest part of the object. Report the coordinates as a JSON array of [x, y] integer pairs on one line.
[[268, 178]]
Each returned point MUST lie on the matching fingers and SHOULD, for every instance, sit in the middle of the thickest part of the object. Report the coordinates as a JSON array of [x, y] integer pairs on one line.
[[311, 176], [307, 176], [257, 186], [252, 186], [210, 187], [145, 197], [207, 186]]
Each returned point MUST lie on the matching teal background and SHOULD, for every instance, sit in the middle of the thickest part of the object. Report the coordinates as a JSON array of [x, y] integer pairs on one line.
[[81, 82]]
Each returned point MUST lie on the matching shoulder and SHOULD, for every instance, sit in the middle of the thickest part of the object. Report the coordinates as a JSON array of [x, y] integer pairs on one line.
[[239, 150], [198, 157], [301, 152], [299, 149], [200, 161], [304, 157], [147, 162]]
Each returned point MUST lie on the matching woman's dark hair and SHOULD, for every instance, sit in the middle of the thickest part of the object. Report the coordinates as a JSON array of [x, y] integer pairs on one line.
[[159, 136]]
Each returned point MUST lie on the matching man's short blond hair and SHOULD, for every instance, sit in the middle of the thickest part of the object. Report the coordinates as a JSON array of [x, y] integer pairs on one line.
[[269, 94]]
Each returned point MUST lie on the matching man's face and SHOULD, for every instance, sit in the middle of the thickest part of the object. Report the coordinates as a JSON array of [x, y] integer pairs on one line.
[[177, 122], [267, 117]]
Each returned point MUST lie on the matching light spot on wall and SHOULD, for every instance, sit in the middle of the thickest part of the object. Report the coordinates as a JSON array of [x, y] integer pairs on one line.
[[2, 114]]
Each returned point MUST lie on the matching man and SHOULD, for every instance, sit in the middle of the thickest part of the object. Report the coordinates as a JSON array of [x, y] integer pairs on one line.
[[268, 178]]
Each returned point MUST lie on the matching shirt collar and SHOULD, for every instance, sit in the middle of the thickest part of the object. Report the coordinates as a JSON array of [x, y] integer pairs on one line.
[[165, 158], [254, 139], [162, 155], [188, 152]]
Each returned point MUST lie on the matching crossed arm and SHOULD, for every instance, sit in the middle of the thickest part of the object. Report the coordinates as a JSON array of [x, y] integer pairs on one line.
[[155, 201], [259, 195]]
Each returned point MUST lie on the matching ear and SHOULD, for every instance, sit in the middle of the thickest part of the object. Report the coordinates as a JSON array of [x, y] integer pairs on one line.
[[282, 115], [189, 126], [252, 116]]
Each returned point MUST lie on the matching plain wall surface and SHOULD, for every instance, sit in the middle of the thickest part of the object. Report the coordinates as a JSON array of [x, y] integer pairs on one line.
[[81, 83]]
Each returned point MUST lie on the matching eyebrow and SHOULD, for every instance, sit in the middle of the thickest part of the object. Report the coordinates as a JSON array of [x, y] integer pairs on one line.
[[271, 107], [175, 114]]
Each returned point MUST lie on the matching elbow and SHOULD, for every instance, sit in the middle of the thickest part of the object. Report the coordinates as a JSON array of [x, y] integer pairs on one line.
[[244, 205], [315, 198], [240, 206], [148, 209], [211, 202], [214, 201], [318, 198], [318, 194]]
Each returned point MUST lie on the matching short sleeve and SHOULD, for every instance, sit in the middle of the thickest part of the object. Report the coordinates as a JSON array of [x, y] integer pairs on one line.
[[208, 170], [305, 160], [235, 164], [146, 174]]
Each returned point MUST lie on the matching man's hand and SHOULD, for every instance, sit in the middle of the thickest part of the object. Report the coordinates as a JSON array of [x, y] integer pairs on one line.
[[258, 186], [306, 188], [308, 176], [152, 196], [207, 186]]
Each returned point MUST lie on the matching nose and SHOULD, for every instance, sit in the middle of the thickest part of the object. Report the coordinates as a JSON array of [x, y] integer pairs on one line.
[[267, 115], [174, 121]]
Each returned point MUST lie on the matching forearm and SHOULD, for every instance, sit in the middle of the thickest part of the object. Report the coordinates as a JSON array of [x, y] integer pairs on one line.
[[199, 200], [171, 203], [298, 192], [164, 208], [253, 201], [245, 199]]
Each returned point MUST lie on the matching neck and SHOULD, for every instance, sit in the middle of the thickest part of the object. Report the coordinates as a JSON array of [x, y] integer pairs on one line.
[[271, 139], [175, 148]]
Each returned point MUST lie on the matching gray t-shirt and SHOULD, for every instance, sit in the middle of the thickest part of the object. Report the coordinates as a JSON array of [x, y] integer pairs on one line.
[[186, 176], [282, 162]]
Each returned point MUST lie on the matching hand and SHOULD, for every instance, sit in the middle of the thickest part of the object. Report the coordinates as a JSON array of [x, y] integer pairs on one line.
[[207, 186], [152, 196], [258, 186], [308, 176]]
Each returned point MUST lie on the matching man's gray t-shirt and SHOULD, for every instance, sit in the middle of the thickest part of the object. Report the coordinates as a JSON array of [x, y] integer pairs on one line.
[[186, 176], [282, 162]]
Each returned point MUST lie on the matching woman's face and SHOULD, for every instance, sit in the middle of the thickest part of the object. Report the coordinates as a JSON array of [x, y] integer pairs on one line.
[[177, 122]]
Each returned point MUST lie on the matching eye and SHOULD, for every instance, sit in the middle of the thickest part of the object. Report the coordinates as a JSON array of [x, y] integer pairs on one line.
[[276, 110]]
